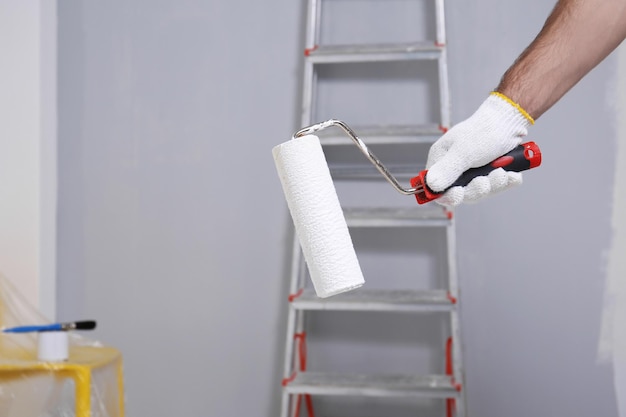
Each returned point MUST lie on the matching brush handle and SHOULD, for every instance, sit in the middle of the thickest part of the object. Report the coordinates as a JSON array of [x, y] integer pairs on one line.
[[40, 328], [76, 325]]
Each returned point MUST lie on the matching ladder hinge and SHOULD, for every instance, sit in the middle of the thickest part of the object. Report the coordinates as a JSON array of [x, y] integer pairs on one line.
[[296, 295], [286, 381], [308, 51], [451, 298]]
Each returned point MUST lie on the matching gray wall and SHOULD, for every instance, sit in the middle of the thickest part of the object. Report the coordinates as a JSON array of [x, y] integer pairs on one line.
[[533, 261], [173, 231]]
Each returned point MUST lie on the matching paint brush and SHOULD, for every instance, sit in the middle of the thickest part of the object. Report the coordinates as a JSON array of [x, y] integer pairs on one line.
[[76, 325]]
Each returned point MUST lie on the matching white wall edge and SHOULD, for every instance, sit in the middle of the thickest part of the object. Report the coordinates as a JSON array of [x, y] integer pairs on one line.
[[28, 143], [612, 344]]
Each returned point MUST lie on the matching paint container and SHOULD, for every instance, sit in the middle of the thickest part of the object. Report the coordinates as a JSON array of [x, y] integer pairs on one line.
[[53, 346]]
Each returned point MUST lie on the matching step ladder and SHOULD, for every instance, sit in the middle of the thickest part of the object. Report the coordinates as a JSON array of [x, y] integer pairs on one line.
[[300, 384]]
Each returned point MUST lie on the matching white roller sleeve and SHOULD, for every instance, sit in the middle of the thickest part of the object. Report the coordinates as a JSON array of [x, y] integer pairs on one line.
[[317, 216]]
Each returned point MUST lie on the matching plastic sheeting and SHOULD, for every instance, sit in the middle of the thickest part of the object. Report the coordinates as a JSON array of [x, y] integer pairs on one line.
[[90, 383]]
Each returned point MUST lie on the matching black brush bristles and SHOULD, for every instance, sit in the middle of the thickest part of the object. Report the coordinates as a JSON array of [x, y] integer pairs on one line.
[[80, 325]]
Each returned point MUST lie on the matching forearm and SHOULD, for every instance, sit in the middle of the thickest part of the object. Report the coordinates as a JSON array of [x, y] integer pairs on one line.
[[577, 36]]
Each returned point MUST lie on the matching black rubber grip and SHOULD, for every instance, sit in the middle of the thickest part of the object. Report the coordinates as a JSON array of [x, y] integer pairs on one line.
[[516, 160]]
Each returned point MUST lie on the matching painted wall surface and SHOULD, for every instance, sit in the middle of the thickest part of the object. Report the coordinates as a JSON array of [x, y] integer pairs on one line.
[[172, 223], [534, 261], [173, 231]]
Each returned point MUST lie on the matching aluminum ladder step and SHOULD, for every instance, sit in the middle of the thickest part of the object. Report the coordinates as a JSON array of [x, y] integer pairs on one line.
[[337, 54], [377, 300], [365, 170], [426, 386], [428, 215], [385, 135]]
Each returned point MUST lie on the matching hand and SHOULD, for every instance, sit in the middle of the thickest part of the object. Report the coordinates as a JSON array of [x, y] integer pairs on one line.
[[494, 129]]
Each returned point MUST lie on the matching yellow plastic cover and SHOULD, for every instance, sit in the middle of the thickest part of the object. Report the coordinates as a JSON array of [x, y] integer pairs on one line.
[[88, 384]]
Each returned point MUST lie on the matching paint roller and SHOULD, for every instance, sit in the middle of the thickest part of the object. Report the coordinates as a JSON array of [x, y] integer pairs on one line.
[[317, 214]]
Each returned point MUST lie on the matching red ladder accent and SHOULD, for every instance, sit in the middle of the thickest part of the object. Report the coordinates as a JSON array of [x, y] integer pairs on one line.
[[301, 337]]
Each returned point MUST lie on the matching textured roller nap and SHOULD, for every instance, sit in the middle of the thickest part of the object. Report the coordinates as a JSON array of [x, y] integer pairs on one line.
[[317, 216]]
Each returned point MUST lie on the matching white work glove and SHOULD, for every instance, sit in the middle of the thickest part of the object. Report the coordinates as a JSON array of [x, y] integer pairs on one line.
[[494, 129]]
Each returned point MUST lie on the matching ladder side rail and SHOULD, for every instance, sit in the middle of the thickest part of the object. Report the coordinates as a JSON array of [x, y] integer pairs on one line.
[[441, 22], [455, 325], [297, 277], [295, 319], [444, 90], [440, 40], [313, 23], [308, 93]]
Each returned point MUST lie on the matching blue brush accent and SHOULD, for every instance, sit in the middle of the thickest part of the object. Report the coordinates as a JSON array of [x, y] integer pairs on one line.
[[29, 329]]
